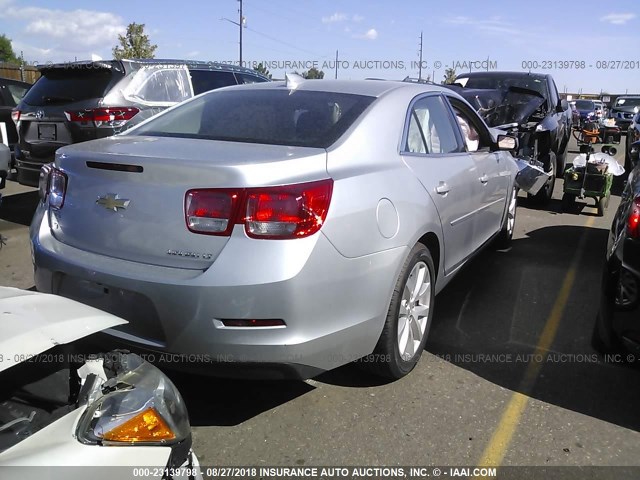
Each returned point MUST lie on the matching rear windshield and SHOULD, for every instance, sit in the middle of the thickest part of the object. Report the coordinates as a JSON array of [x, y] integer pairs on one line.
[[276, 117], [585, 105], [71, 84]]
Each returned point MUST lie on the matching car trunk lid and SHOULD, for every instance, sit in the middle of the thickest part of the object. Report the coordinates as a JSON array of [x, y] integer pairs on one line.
[[125, 195]]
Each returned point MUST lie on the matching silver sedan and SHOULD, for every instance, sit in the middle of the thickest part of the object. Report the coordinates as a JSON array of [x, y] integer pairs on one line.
[[287, 227]]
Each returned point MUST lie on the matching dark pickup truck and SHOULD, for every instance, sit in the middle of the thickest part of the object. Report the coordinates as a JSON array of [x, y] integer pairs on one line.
[[527, 104]]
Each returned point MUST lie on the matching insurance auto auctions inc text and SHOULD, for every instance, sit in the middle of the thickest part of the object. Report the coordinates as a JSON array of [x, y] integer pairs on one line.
[[349, 472], [366, 64]]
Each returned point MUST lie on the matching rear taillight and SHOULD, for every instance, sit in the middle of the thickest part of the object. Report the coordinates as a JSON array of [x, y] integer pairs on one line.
[[633, 224], [57, 188], [110, 117], [212, 212], [15, 116], [291, 211]]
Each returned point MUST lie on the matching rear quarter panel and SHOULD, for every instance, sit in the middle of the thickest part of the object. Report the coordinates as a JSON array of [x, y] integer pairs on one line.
[[378, 203]]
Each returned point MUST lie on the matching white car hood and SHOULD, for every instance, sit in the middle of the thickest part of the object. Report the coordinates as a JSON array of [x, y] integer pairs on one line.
[[33, 322]]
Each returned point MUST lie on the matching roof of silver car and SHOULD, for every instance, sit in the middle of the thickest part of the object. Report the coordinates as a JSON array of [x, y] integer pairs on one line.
[[372, 88]]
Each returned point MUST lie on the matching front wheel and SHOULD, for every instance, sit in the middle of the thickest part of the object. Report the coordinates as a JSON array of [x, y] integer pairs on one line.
[[503, 240], [408, 318], [546, 192]]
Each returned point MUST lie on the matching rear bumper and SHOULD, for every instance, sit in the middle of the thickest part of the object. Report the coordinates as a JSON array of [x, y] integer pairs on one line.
[[29, 171], [334, 307]]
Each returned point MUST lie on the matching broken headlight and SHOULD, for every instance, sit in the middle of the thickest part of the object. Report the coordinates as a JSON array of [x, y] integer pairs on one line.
[[137, 407]]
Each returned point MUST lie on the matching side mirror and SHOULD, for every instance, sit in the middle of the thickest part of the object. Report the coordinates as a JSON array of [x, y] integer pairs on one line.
[[634, 153], [562, 106], [505, 142]]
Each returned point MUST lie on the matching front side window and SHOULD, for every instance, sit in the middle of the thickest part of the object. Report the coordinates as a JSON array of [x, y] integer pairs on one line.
[[248, 78], [475, 135], [430, 130], [205, 80]]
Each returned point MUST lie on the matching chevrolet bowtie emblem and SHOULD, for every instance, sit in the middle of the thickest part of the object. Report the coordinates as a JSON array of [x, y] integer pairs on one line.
[[111, 201]]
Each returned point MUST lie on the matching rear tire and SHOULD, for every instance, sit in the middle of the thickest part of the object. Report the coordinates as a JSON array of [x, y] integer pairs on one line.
[[602, 344], [408, 319], [568, 200]]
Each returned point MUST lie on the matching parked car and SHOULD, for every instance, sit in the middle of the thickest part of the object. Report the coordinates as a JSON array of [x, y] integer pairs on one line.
[[633, 135], [11, 92], [75, 102], [529, 104], [600, 110], [64, 405], [587, 110], [617, 326], [291, 226], [624, 109]]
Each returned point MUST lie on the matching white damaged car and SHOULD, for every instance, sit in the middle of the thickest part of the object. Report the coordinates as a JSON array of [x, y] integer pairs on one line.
[[106, 415]]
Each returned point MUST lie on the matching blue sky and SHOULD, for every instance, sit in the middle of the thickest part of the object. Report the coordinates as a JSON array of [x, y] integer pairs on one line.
[[376, 38]]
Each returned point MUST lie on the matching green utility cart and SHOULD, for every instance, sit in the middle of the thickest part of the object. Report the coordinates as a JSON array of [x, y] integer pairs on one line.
[[591, 181]]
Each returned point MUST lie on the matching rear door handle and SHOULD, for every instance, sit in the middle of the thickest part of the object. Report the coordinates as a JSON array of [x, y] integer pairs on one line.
[[484, 179], [442, 188]]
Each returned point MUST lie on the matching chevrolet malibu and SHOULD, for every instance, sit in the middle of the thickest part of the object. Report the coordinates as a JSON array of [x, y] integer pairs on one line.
[[62, 405], [286, 228]]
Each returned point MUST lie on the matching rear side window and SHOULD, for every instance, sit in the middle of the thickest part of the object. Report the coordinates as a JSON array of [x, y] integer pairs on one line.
[[155, 85], [71, 84], [16, 92], [269, 116], [205, 80]]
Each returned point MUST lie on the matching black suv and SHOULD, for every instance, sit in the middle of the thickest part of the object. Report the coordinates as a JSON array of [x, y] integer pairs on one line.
[[80, 101], [528, 104]]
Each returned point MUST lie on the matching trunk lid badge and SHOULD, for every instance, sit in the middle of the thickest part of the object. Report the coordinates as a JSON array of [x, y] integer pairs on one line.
[[111, 201]]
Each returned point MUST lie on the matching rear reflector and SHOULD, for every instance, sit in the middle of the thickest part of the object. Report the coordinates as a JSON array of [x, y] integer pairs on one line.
[[15, 116], [285, 212], [270, 322], [633, 223]]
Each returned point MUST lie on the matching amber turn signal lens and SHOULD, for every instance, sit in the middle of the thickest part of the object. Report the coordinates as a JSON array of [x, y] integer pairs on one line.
[[147, 426]]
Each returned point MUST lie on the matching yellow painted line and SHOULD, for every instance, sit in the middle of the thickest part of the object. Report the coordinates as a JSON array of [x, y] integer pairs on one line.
[[500, 441]]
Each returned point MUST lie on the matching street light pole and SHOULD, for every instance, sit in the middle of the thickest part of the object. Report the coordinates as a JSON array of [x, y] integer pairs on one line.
[[241, 23]]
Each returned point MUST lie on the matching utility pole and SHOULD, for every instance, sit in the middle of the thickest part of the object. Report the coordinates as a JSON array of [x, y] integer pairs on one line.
[[420, 64], [241, 23], [336, 64]]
